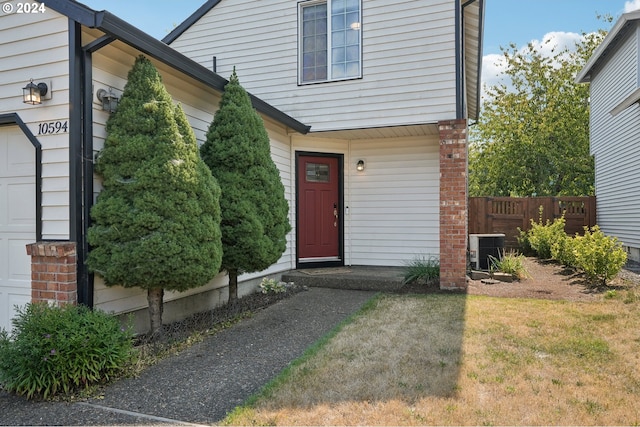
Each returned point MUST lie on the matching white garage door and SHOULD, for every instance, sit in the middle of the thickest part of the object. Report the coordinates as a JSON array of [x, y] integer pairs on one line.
[[17, 220]]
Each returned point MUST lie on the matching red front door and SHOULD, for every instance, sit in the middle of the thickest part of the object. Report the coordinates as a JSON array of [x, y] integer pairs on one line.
[[319, 209]]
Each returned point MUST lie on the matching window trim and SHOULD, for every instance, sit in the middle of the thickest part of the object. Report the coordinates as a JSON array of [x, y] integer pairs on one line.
[[301, 82]]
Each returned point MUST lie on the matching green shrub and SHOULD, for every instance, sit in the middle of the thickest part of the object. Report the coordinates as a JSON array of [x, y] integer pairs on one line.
[[422, 269], [272, 286], [55, 350], [510, 263], [523, 242], [563, 251], [601, 257], [542, 237]]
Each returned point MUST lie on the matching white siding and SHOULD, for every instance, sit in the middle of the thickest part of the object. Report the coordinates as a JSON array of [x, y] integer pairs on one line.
[[615, 143], [36, 46], [110, 67], [408, 61], [393, 205]]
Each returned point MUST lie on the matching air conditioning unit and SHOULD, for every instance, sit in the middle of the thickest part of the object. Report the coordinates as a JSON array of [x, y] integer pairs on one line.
[[481, 246]]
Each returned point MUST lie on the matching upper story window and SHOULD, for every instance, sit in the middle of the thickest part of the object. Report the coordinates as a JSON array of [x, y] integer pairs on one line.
[[330, 40]]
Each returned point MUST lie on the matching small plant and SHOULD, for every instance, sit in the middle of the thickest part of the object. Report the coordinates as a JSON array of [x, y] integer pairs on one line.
[[563, 251], [510, 263], [272, 286], [55, 350], [542, 236], [611, 294], [601, 257], [523, 242], [422, 269]]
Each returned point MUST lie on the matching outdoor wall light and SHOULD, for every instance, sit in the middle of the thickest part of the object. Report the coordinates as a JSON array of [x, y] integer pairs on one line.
[[33, 93], [360, 165], [108, 99]]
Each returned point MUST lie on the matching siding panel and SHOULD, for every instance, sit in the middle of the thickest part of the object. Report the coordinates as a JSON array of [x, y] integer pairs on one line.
[[260, 40], [45, 36], [614, 143]]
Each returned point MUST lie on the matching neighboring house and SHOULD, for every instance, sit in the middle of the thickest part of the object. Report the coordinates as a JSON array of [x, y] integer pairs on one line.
[[614, 76], [396, 102]]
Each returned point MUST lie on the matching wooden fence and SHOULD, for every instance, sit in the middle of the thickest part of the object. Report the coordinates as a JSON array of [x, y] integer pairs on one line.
[[489, 215]]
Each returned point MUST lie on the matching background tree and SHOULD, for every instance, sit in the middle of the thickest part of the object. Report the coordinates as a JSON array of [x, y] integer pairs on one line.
[[254, 209], [156, 223], [532, 137]]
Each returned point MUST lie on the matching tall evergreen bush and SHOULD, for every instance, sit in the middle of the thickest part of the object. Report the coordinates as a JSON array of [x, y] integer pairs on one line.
[[156, 223], [254, 209]]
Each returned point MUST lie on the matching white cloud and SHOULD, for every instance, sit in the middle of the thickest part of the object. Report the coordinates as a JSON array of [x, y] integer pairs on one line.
[[493, 64], [631, 5]]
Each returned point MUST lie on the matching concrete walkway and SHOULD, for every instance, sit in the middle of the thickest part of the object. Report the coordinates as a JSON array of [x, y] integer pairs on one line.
[[203, 383]]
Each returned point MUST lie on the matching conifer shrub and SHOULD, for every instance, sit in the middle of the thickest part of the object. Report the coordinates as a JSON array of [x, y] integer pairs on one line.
[[255, 211], [56, 350], [156, 222]]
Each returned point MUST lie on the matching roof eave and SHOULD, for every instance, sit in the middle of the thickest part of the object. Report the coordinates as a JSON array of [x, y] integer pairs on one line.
[[154, 48], [192, 19], [584, 76]]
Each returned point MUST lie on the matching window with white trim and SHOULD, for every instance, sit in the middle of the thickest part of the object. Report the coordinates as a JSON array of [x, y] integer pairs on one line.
[[330, 40]]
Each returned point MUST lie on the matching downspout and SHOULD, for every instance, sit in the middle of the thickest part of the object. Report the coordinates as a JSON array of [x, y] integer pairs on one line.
[[87, 162], [459, 62], [77, 128], [81, 152]]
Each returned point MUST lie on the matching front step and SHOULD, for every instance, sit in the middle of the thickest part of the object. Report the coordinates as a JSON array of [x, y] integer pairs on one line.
[[381, 279]]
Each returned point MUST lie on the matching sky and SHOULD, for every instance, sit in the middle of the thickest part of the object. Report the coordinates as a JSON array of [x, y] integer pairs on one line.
[[506, 21]]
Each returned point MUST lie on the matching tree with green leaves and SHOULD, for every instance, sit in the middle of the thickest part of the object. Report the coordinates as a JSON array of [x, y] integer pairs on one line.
[[532, 137], [255, 219], [156, 223]]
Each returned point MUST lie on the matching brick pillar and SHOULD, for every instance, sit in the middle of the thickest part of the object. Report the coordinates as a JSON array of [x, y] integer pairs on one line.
[[453, 204], [53, 272]]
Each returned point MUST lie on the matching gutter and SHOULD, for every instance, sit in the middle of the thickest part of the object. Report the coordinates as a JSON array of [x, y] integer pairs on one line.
[[459, 49], [460, 37]]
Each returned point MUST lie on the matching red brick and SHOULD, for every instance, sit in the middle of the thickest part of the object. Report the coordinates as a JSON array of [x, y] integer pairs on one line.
[[53, 272], [453, 203]]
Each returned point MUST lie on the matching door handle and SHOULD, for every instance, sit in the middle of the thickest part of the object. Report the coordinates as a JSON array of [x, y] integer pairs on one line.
[[335, 215]]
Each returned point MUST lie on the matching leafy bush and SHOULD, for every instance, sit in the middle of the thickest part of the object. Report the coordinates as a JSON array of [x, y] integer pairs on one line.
[[563, 251], [510, 263], [272, 286], [523, 242], [542, 237], [59, 349], [601, 257], [422, 269]]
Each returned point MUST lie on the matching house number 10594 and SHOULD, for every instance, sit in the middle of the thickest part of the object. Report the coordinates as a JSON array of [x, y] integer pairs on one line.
[[49, 128]]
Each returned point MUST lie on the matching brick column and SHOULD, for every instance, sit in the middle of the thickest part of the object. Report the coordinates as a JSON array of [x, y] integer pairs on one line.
[[453, 204], [53, 272]]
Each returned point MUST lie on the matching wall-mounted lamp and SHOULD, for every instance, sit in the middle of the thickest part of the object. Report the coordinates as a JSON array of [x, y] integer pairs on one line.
[[360, 165], [33, 93], [108, 99]]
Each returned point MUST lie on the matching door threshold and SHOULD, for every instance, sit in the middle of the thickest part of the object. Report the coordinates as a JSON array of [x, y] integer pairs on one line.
[[319, 262], [319, 259]]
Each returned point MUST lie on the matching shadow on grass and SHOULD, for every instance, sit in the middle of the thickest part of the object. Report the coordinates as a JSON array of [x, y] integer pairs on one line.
[[397, 347]]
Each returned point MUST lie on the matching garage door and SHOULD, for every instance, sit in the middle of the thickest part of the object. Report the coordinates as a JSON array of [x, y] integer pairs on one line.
[[17, 220]]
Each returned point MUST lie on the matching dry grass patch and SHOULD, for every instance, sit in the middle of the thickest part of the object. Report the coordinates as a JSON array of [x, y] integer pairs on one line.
[[462, 360]]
